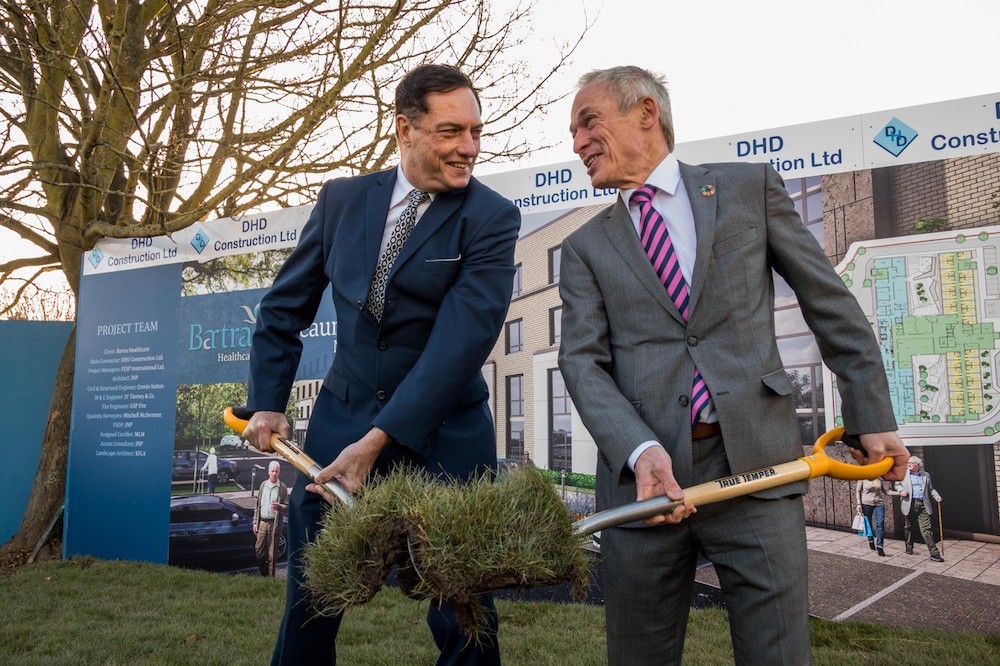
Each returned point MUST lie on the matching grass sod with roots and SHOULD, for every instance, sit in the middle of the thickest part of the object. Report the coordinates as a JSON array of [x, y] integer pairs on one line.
[[86, 611], [466, 539]]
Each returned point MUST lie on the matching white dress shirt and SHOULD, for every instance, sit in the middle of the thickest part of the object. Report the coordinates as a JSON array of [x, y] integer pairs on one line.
[[672, 202], [400, 197]]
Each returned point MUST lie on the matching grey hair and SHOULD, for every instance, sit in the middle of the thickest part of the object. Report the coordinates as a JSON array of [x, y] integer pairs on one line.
[[274, 464], [630, 84]]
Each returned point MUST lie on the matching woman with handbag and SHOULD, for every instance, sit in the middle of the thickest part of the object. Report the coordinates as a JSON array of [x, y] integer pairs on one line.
[[870, 496]]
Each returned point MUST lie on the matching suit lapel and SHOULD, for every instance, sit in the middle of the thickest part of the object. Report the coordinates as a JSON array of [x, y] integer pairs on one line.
[[377, 210], [621, 232], [703, 194], [440, 210]]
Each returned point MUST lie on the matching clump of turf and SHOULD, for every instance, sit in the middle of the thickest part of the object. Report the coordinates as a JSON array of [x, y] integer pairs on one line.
[[451, 542]]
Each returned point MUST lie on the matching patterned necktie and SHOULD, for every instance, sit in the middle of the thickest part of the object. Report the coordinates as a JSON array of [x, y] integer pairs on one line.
[[660, 250], [376, 295]]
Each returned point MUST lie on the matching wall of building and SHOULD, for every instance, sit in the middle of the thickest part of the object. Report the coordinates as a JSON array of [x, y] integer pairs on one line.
[[963, 192], [538, 297]]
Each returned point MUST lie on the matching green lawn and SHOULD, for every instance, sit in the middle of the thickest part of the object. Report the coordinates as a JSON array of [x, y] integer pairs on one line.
[[101, 612]]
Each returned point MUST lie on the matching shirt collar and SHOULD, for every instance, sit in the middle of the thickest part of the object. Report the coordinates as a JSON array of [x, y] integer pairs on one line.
[[665, 177], [402, 189]]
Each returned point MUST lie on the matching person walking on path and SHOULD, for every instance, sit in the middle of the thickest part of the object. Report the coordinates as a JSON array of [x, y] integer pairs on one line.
[[211, 466], [916, 490], [870, 496]]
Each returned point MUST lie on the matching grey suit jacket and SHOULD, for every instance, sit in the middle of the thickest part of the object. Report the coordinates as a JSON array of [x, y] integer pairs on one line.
[[628, 357], [929, 494]]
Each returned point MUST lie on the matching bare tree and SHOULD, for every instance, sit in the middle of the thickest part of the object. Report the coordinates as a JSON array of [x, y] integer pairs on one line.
[[129, 118], [36, 303]]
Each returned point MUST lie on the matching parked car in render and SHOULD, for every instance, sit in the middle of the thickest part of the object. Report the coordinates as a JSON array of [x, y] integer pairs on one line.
[[506, 464], [231, 442], [186, 462], [211, 532]]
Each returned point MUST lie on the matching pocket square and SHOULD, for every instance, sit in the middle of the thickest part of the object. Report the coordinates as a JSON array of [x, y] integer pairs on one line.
[[458, 258]]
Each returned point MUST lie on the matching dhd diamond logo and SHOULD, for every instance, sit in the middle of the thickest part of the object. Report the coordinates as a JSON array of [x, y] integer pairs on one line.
[[200, 241], [95, 257], [895, 136]]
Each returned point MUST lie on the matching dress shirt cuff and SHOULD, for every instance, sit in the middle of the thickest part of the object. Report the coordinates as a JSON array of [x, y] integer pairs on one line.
[[638, 452]]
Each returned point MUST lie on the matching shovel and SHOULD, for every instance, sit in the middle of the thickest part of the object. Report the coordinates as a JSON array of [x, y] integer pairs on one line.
[[237, 418], [427, 572], [807, 467]]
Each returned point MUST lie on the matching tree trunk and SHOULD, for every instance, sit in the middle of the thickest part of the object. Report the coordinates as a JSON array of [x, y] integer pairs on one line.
[[49, 489]]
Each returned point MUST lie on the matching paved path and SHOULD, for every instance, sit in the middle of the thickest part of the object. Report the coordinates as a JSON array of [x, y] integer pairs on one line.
[[849, 581]]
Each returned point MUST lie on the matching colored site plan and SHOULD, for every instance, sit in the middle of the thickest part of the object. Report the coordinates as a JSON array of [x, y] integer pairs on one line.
[[934, 303]]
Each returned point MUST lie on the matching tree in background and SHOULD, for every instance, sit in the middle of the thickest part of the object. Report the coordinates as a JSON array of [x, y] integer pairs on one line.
[[129, 118], [199, 407]]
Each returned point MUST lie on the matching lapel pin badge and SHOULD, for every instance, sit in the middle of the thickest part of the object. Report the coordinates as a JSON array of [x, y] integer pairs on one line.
[[707, 190]]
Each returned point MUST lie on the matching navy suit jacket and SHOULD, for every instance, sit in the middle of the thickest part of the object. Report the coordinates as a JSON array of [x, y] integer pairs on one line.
[[417, 374]]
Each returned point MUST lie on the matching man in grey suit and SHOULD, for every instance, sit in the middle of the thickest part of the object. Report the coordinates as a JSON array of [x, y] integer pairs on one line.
[[668, 294]]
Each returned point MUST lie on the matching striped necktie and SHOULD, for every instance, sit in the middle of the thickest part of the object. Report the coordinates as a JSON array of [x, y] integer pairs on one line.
[[660, 250]]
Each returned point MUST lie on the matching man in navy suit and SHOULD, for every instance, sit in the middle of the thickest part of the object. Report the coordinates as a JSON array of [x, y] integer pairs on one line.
[[413, 331]]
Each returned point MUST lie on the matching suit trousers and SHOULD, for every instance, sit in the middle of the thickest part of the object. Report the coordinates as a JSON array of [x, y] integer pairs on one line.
[[919, 520], [267, 531], [759, 551], [306, 637]]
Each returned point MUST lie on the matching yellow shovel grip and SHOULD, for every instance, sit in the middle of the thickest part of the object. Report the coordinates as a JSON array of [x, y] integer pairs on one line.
[[821, 464]]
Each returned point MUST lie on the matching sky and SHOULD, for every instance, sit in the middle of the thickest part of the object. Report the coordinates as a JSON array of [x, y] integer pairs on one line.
[[736, 66]]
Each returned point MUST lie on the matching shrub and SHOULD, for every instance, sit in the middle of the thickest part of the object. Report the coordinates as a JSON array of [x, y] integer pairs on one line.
[[574, 479]]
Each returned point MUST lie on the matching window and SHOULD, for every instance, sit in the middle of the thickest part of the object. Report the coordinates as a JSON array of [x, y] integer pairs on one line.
[[200, 513], [796, 344], [555, 258], [555, 325], [561, 421], [515, 417], [807, 382], [518, 281], [515, 342], [807, 195]]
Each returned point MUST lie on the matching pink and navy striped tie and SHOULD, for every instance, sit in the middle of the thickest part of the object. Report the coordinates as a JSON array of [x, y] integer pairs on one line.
[[656, 240]]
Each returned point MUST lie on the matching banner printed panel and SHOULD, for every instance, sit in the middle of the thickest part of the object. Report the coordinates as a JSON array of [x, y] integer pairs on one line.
[[955, 128], [205, 241], [124, 399]]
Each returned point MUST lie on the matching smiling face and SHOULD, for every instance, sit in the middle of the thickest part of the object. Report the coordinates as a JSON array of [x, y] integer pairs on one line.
[[619, 149], [439, 148]]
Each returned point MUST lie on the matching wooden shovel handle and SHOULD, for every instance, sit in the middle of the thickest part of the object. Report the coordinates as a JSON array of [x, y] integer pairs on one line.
[[807, 467], [291, 452]]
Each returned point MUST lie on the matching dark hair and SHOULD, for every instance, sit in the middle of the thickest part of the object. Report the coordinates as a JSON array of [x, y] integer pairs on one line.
[[412, 91]]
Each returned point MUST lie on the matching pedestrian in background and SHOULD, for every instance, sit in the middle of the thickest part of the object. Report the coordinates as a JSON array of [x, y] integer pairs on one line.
[[870, 497], [211, 466], [916, 491], [272, 505]]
